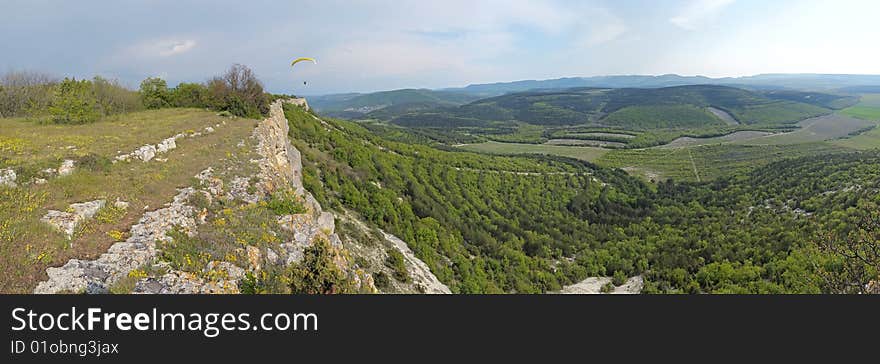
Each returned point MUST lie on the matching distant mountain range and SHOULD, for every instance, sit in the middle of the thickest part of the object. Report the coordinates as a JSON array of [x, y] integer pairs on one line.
[[823, 82], [398, 102]]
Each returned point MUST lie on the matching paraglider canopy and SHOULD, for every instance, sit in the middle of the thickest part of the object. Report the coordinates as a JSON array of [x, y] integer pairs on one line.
[[298, 60]]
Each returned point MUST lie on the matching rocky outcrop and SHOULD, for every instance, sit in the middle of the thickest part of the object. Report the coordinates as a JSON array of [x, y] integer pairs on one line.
[[7, 177], [593, 285], [418, 270], [67, 221], [149, 152], [96, 276], [281, 166]]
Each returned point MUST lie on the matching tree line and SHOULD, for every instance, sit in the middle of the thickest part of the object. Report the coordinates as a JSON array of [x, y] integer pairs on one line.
[[42, 97]]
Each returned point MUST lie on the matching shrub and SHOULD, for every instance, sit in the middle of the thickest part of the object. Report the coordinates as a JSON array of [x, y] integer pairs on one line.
[[285, 203], [74, 102], [607, 288], [154, 93], [318, 273], [619, 278], [395, 261], [95, 163], [189, 95], [267, 281], [381, 280], [112, 98]]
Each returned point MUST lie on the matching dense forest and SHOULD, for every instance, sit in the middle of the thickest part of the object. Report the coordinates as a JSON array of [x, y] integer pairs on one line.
[[534, 224]]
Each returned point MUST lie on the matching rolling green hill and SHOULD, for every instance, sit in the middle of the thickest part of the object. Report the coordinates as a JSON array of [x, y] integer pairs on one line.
[[640, 109], [402, 101]]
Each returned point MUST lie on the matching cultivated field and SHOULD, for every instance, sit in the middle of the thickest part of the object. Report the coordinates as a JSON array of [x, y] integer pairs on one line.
[[583, 153], [732, 137], [821, 128], [707, 162], [867, 109], [587, 142]]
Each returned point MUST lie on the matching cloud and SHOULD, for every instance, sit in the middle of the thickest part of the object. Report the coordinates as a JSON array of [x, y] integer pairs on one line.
[[162, 48], [698, 13], [176, 47], [602, 27]]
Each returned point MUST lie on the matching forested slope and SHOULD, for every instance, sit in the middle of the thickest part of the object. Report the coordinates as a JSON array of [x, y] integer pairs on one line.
[[533, 224]]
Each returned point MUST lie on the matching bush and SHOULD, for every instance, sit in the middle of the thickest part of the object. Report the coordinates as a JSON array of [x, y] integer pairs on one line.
[[154, 93], [285, 203], [112, 98], [318, 273], [94, 163], [189, 95], [607, 288], [395, 262], [619, 278], [381, 280], [74, 102]]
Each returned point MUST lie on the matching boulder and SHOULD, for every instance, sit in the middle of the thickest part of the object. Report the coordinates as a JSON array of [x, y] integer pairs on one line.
[[166, 145], [145, 153]]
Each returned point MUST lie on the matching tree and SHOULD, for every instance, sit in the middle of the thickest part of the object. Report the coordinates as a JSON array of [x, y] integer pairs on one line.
[[74, 102], [154, 93], [189, 95], [318, 272], [853, 261], [25, 93], [113, 98], [239, 92]]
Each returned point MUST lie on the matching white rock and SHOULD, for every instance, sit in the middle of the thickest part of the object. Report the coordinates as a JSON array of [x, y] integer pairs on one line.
[[119, 204], [209, 130], [67, 221], [145, 153], [40, 181], [166, 145], [7, 177], [66, 167]]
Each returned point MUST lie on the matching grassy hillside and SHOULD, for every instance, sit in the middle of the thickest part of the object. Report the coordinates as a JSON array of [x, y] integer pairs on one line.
[[401, 101], [662, 116], [28, 246], [829, 101], [682, 106]]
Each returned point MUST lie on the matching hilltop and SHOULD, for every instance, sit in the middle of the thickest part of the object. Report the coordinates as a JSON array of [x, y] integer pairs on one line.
[[358, 105]]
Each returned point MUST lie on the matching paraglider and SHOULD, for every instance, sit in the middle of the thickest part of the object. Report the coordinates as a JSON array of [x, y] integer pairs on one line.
[[298, 60]]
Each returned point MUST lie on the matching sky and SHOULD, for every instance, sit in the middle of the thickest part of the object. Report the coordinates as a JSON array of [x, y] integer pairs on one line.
[[376, 45]]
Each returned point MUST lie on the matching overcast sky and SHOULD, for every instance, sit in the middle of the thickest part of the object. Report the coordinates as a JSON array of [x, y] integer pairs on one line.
[[381, 45]]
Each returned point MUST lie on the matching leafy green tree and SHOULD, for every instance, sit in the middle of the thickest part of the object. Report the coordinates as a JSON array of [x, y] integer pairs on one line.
[[189, 95], [154, 93], [74, 102]]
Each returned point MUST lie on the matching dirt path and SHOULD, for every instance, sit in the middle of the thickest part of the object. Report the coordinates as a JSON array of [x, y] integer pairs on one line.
[[696, 173]]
